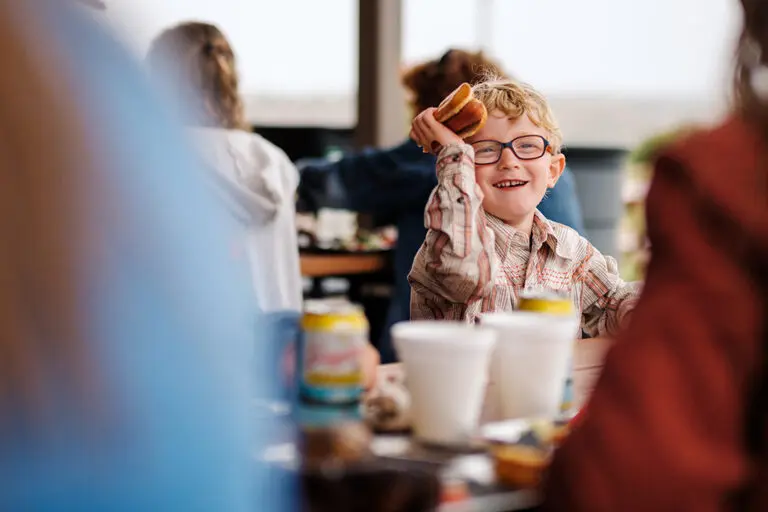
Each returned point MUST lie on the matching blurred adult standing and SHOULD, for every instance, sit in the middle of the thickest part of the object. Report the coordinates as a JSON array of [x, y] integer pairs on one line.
[[197, 65]]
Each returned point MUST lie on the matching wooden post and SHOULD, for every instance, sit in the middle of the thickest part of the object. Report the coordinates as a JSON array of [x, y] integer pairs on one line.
[[381, 109]]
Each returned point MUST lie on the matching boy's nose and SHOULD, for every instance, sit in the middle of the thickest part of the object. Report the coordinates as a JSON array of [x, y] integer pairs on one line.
[[508, 158]]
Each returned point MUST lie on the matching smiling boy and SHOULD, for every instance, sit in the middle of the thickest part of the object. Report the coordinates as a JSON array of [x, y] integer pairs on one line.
[[486, 240]]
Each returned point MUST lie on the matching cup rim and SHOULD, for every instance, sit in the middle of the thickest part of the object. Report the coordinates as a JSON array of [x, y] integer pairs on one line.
[[450, 332], [516, 318]]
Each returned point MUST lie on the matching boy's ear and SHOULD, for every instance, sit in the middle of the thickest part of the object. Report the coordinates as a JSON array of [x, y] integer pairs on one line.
[[556, 168]]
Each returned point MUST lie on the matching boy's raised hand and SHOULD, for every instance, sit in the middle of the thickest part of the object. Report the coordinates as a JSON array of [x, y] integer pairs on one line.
[[431, 135]]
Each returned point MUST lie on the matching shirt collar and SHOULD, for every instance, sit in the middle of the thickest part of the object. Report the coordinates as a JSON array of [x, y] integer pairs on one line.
[[542, 233]]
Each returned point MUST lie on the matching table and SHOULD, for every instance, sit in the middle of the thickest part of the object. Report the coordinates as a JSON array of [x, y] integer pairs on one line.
[[474, 468], [358, 269], [322, 264]]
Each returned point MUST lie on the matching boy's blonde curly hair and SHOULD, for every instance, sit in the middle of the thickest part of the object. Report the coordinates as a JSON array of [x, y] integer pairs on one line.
[[516, 99]]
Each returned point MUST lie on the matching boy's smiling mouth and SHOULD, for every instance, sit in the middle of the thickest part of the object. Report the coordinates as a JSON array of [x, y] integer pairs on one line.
[[510, 184]]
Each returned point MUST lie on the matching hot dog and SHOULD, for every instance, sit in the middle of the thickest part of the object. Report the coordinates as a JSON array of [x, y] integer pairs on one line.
[[462, 112]]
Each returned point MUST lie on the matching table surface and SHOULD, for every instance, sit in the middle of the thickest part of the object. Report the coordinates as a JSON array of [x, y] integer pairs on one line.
[[341, 264], [475, 468]]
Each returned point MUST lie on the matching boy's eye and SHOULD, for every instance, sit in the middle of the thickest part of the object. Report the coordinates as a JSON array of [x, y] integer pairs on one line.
[[485, 151]]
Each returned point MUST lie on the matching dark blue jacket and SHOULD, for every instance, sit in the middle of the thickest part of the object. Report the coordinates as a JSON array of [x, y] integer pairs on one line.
[[395, 184]]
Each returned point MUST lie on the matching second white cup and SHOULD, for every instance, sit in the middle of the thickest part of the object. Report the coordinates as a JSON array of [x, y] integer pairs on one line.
[[531, 363]]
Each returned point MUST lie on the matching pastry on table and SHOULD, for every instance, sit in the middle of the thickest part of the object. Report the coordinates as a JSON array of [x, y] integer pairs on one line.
[[520, 465], [523, 463]]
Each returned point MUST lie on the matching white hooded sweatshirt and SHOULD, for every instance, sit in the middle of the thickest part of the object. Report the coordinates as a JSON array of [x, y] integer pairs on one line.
[[260, 181]]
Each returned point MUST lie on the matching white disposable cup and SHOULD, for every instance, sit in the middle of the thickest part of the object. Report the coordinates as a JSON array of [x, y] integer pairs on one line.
[[446, 372], [531, 363]]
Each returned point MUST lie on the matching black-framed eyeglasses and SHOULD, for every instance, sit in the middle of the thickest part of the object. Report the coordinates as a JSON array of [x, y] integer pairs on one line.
[[525, 147]]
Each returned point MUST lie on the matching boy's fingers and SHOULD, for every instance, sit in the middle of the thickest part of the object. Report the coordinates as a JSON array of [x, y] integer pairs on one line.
[[421, 137]]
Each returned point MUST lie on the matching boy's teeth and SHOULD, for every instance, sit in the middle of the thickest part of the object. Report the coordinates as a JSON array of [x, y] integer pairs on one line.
[[509, 183]]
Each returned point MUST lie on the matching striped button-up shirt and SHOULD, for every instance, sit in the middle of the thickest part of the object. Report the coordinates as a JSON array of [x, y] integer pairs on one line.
[[473, 262]]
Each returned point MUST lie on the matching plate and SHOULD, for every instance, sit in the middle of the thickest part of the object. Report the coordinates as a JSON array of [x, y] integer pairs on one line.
[[505, 432], [534, 432]]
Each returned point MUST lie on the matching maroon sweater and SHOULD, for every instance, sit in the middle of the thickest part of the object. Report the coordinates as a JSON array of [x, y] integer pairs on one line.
[[666, 426]]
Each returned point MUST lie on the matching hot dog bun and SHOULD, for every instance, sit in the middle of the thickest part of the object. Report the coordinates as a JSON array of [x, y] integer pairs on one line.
[[469, 119], [461, 112], [453, 103]]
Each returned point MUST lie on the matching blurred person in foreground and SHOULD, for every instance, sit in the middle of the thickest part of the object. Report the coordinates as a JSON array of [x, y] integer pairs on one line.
[[395, 183], [116, 392], [197, 64], [678, 418]]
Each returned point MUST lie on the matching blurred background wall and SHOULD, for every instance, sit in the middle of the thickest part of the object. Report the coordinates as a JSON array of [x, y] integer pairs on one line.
[[635, 66]]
